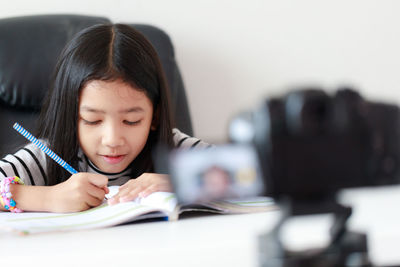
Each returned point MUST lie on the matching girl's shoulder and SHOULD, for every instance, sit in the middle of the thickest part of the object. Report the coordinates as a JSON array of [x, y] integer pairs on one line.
[[185, 141]]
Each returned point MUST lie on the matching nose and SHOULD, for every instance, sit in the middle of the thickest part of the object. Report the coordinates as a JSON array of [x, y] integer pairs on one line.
[[112, 136]]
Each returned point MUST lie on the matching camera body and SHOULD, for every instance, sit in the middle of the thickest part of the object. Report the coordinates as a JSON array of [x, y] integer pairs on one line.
[[312, 144]]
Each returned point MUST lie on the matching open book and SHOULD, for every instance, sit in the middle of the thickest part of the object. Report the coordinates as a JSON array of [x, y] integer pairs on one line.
[[157, 205]]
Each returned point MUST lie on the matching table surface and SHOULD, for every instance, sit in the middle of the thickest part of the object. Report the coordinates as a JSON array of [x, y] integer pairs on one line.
[[212, 240]]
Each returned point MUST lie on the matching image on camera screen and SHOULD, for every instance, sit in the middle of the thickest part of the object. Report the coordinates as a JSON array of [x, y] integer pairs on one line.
[[222, 172]]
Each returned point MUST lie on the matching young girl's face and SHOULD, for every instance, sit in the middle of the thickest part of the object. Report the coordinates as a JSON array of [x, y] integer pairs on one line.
[[114, 123]]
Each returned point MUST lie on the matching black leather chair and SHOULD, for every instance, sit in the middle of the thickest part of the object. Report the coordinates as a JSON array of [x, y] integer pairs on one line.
[[29, 47]]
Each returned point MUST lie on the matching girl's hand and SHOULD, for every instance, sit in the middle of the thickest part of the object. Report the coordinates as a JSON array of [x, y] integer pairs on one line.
[[80, 192], [142, 186]]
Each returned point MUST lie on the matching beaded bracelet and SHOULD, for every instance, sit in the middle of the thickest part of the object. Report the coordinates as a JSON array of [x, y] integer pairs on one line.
[[5, 194]]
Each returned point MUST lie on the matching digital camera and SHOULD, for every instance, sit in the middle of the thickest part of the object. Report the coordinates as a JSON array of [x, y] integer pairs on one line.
[[309, 144]]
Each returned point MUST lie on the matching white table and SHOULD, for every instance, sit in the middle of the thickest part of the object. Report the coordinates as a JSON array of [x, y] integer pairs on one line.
[[217, 240]]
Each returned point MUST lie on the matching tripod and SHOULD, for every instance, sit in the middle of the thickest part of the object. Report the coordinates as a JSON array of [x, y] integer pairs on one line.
[[346, 248]]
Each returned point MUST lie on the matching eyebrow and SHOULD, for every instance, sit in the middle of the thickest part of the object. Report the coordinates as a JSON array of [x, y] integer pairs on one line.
[[124, 111]]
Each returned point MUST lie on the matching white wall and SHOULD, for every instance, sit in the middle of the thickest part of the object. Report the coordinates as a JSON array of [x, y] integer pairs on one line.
[[233, 53]]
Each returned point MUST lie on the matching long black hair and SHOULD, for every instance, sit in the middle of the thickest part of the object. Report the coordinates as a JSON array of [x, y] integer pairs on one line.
[[104, 52]]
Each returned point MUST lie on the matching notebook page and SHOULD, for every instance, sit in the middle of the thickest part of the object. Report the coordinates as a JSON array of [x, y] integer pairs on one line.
[[102, 216]]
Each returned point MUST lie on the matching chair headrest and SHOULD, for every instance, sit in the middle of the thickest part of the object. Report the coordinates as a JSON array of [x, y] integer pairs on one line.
[[29, 47]]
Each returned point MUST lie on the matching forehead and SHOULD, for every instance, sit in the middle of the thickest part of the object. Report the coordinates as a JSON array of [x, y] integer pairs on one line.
[[107, 94]]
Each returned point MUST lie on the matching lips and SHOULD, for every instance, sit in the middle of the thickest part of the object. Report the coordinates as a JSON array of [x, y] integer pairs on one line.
[[113, 159]]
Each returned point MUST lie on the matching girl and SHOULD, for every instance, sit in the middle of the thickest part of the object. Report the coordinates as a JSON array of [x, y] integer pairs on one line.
[[106, 111]]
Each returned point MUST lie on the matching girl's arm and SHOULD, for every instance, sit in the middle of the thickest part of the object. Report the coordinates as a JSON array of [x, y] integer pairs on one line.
[[31, 198], [80, 192]]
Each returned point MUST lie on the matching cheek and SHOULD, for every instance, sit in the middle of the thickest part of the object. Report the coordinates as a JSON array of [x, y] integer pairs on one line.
[[85, 137], [79, 133], [137, 139]]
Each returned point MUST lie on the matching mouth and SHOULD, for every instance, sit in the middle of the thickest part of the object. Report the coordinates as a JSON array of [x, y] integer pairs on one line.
[[113, 159]]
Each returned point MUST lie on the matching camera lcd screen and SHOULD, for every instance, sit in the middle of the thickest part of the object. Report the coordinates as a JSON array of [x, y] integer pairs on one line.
[[222, 172]]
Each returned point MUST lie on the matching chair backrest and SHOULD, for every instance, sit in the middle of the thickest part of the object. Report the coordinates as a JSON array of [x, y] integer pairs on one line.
[[29, 47]]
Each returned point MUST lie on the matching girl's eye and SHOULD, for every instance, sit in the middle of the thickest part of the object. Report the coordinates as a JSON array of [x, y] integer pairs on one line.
[[132, 122], [91, 122]]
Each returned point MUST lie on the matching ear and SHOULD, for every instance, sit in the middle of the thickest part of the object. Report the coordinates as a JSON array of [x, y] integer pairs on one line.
[[156, 120]]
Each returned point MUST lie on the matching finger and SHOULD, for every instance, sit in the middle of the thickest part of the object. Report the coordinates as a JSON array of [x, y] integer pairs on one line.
[[147, 191], [125, 185], [120, 193], [151, 189], [129, 188], [124, 194], [98, 180], [106, 190], [93, 201], [125, 190], [112, 201], [130, 183], [96, 192], [156, 188], [162, 187], [131, 195]]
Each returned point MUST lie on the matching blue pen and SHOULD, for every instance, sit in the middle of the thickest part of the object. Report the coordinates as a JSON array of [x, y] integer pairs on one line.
[[44, 148]]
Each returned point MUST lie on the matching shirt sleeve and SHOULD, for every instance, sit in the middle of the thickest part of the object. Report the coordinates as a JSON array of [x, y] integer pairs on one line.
[[182, 140], [28, 163]]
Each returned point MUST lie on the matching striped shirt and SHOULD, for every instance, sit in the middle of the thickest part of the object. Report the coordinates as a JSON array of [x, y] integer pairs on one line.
[[29, 163]]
